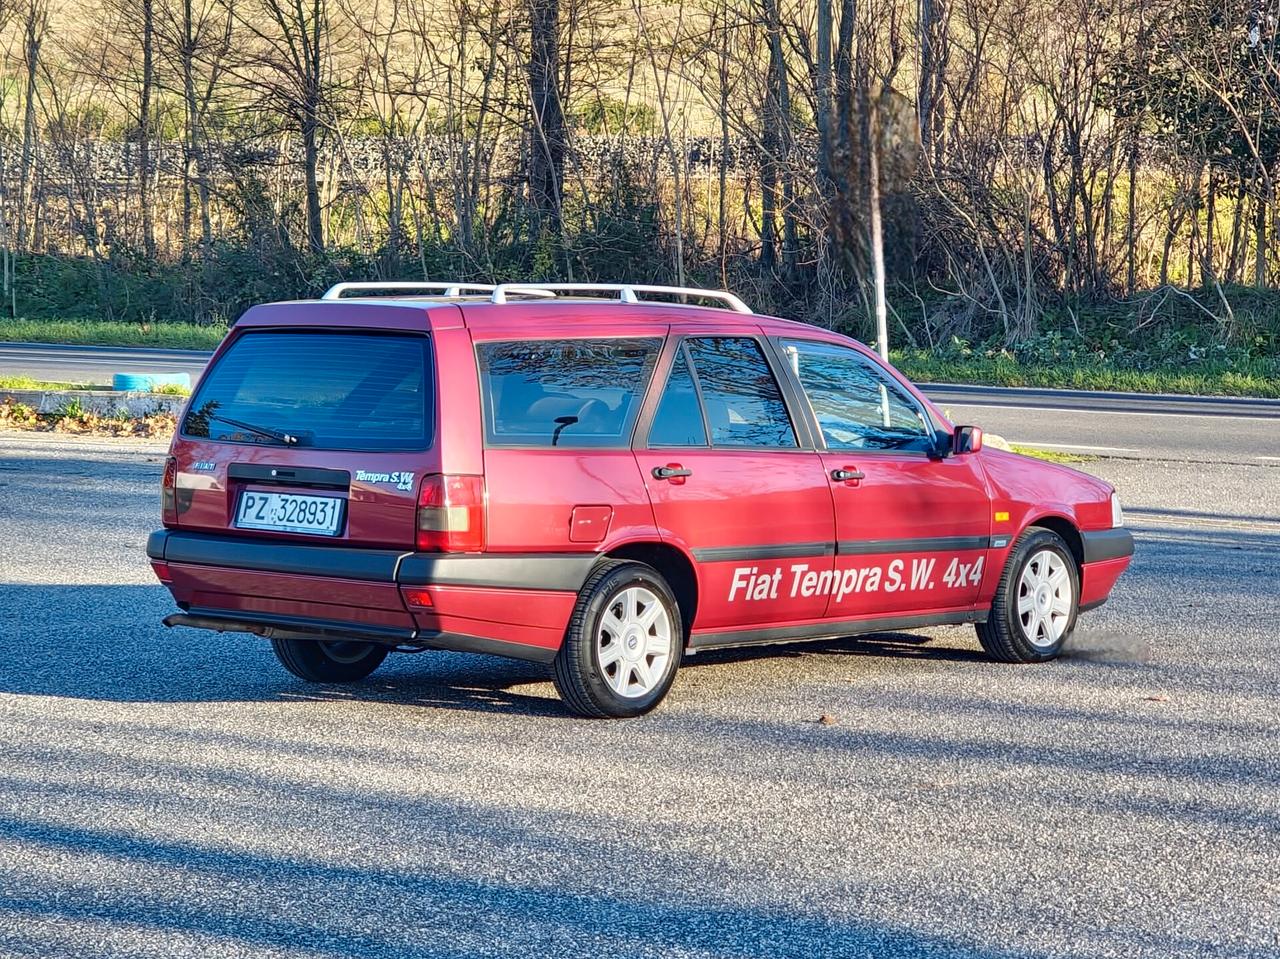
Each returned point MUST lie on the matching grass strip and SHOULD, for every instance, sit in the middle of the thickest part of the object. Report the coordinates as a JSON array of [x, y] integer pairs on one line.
[[173, 336]]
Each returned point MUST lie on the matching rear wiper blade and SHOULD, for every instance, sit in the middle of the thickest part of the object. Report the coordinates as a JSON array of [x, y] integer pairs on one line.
[[286, 439]]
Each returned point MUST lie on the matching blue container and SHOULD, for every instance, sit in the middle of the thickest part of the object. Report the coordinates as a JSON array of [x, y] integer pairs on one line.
[[146, 382]]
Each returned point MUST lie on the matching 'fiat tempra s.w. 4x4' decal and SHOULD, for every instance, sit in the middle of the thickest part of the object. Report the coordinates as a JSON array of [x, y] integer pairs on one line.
[[750, 584]]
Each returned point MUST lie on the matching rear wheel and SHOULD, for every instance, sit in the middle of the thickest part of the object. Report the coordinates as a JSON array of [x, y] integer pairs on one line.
[[1035, 605], [623, 645], [329, 661]]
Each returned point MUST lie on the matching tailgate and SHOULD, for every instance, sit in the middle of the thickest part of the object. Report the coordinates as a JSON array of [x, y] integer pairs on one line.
[[309, 435]]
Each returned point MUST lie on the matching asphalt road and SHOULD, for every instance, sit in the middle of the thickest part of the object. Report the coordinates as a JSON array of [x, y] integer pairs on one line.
[[1205, 429], [58, 363], [167, 793]]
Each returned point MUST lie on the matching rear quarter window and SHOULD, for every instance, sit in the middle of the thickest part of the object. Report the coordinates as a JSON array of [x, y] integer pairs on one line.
[[352, 391], [574, 393]]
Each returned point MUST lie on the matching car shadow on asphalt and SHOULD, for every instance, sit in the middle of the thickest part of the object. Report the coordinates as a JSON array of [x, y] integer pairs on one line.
[[922, 646], [103, 642]]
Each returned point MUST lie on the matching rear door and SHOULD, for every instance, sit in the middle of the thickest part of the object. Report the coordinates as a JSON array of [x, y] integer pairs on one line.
[[912, 529], [318, 435], [559, 413], [732, 483]]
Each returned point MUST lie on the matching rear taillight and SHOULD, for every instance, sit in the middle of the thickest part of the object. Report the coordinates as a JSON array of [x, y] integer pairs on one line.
[[451, 514], [169, 492], [162, 571]]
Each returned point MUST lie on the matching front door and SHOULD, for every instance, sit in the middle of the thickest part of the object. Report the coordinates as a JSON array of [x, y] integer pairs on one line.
[[912, 529], [732, 485]]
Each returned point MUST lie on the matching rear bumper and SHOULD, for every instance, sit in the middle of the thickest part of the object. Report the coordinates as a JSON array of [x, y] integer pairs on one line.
[[504, 604]]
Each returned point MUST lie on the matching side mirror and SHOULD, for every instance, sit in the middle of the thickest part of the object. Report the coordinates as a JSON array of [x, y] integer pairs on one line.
[[966, 439]]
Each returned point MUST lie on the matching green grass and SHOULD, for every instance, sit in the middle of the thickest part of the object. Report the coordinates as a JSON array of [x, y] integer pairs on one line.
[[1244, 377], [177, 336], [1052, 456], [27, 383], [1259, 377]]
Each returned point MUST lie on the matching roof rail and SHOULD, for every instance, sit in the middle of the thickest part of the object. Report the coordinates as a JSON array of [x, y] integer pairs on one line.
[[627, 293], [336, 291]]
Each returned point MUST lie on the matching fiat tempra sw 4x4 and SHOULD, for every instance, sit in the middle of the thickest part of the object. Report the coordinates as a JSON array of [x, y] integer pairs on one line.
[[604, 479]]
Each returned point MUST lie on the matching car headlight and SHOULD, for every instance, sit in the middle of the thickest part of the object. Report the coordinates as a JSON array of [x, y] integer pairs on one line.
[[1117, 514]]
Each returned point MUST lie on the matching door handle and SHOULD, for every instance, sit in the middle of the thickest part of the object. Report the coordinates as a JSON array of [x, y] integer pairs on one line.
[[845, 476], [674, 471]]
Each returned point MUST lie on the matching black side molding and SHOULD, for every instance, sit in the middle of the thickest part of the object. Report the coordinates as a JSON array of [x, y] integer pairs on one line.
[[1105, 544], [747, 554], [565, 572], [929, 544]]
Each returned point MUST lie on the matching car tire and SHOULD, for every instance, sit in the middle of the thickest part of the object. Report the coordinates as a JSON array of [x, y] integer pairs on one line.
[[1036, 601], [623, 645], [329, 661]]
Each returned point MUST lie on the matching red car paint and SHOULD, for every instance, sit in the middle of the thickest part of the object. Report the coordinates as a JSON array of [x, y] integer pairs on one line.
[[768, 544]]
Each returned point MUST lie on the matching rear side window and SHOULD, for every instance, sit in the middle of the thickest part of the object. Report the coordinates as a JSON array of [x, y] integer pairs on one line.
[[544, 393], [743, 403], [350, 391]]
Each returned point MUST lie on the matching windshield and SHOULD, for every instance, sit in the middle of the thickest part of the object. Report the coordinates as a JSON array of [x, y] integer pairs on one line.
[[354, 391]]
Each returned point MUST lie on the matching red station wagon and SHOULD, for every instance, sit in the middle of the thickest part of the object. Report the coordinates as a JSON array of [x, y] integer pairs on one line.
[[602, 478]]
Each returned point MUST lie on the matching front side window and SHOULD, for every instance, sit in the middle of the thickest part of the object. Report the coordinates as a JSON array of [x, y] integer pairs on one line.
[[325, 390], [545, 393], [857, 406], [742, 400]]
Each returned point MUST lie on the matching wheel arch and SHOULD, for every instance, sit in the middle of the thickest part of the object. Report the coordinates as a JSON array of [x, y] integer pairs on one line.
[[1065, 528], [676, 568]]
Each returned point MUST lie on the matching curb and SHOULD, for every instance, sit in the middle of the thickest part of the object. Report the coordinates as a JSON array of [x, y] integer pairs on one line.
[[98, 401]]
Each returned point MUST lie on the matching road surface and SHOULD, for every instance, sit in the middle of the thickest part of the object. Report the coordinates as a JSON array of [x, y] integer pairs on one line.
[[1179, 428], [169, 793]]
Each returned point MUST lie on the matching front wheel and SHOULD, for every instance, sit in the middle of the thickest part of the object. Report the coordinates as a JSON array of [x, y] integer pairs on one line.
[[329, 661], [623, 646], [1035, 605]]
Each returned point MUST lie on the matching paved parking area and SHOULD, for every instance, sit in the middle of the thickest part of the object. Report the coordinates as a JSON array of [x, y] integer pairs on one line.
[[176, 793]]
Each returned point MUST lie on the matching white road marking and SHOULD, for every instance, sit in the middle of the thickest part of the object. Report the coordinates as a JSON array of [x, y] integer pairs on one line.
[[1072, 409], [1069, 446], [1269, 459]]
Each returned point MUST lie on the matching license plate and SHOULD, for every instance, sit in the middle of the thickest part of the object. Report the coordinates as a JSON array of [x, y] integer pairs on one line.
[[290, 513]]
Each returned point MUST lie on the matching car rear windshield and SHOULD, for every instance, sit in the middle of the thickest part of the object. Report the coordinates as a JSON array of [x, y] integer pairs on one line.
[[564, 392], [353, 391]]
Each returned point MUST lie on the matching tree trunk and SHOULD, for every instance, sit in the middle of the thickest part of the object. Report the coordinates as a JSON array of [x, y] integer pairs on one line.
[[145, 173], [195, 154], [547, 139], [1130, 230], [1208, 273], [1260, 238], [722, 212], [37, 21], [771, 139]]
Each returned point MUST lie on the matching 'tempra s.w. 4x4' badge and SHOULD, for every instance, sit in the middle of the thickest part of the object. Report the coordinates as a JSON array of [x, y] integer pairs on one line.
[[401, 480]]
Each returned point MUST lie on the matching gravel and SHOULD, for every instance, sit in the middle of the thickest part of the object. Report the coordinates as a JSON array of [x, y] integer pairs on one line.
[[176, 793]]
